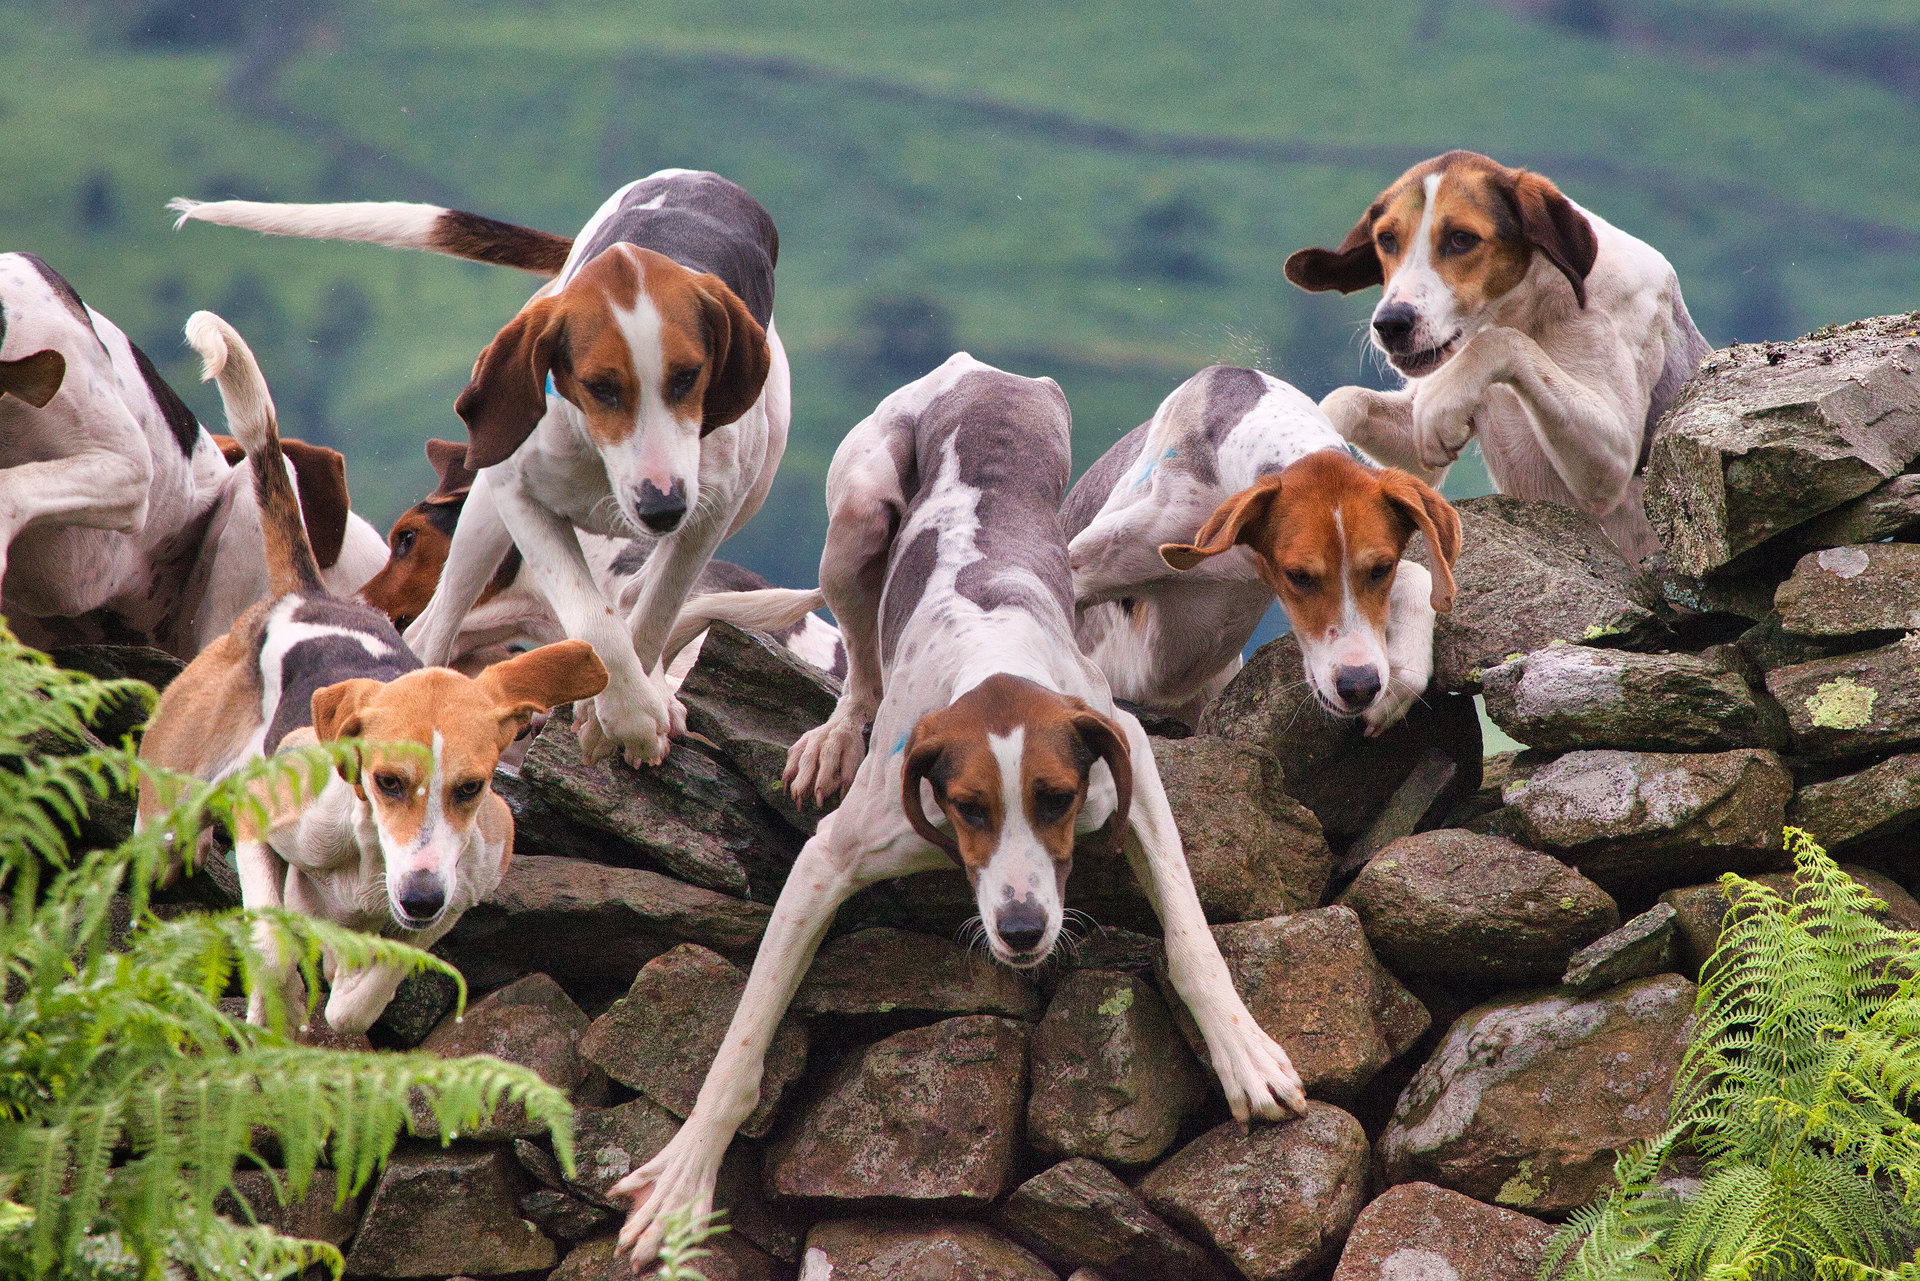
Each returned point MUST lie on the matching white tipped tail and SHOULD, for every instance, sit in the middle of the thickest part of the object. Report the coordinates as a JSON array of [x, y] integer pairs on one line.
[[392, 223], [770, 609], [243, 389]]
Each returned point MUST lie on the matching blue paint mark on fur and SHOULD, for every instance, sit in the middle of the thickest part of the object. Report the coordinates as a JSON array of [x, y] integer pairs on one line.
[[551, 390], [1154, 466], [901, 745]]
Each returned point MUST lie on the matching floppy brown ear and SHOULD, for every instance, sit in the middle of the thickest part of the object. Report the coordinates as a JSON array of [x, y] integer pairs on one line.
[[508, 395], [1105, 739], [741, 357], [230, 449], [35, 379], [563, 672], [1354, 265], [336, 715], [449, 461], [1433, 516], [321, 475], [1552, 225], [1240, 519], [924, 750]]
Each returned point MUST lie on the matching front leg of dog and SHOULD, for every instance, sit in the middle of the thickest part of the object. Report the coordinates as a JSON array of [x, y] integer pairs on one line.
[[262, 875], [1255, 1073], [683, 1174], [1590, 439], [359, 997], [665, 581], [1410, 619], [480, 541], [1380, 423]]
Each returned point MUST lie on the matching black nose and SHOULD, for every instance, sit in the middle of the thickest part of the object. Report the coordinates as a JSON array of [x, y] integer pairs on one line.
[[1356, 685], [662, 512], [421, 897], [1021, 925], [1394, 323]]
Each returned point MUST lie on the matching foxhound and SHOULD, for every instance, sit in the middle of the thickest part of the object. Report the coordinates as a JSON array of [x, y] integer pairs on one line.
[[995, 741], [1518, 317], [120, 518], [412, 839], [643, 390], [511, 615], [1236, 458]]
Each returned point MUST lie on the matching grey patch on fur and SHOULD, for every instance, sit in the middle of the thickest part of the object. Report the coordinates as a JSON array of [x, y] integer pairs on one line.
[[1090, 493], [704, 223]]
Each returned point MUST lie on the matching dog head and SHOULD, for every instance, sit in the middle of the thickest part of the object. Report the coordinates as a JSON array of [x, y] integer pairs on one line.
[[425, 804], [419, 541], [1009, 763], [1326, 535], [652, 356], [1447, 240]]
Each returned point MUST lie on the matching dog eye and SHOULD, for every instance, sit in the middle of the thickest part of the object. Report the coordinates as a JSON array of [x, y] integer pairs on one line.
[[403, 542], [1388, 242], [1051, 806], [682, 383], [605, 393], [391, 786], [972, 813], [1301, 579], [469, 789], [1461, 241], [1380, 571]]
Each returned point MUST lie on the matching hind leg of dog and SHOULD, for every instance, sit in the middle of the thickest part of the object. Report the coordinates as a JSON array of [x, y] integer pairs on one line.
[[1410, 619], [1255, 1073], [97, 488]]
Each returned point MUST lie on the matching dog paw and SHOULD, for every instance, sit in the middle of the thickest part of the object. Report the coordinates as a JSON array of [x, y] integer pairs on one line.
[[638, 734], [823, 761], [1348, 409], [679, 1180], [1389, 709], [1256, 1075]]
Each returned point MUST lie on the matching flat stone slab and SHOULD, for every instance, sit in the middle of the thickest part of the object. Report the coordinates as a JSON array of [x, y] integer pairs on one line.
[[1277, 1200], [1571, 696], [1420, 1232], [662, 1037], [440, 1213], [532, 1023], [1454, 905], [1313, 983], [1635, 821], [1528, 1100], [880, 1250], [885, 973], [1838, 591], [929, 1118], [1112, 1078], [1852, 704], [1879, 801], [1253, 850], [731, 1258], [314, 1216], [1700, 910], [1079, 1214], [611, 1143], [1530, 573], [1643, 946], [1766, 436]]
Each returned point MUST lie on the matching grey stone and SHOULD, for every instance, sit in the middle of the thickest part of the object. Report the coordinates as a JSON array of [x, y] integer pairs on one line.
[[532, 1023], [1409, 804], [1852, 704], [1768, 645], [1571, 696], [1312, 982], [1765, 437], [1528, 1100], [1891, 511], [1452, 905], [418, 1005], [1419, 1232], [1328, 763], [752, 697], [1643, 946], [664, 1034], [929, 1118], [1530, 573], [591, 926], [1112, 1078], [1277, 1200], [563, 1216], [313, 1216], [1700, 910], [729, 1257], [690, 816], [1253, 850], [878, 1250], [442, 1212], [889, 974], [1881, 800], [1839, 591], [1637, 821], [611, 1143], [1078, 1213]]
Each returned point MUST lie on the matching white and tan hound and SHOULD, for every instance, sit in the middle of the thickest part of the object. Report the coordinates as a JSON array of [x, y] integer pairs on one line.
[[413, 839], [120, 518], [641, 391], [995, 741], [1519, 318], [1322, 533]]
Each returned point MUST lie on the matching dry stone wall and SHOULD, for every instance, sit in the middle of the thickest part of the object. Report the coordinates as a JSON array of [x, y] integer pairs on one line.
[[1484, 969]]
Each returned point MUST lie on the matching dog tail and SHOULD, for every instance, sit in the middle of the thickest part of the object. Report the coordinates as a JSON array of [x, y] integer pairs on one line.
[[771, 609], [394, 224], [290, 562]]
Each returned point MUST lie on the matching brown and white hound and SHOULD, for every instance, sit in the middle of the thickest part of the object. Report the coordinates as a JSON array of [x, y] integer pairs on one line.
[[1519, 318], [643, 390], [995, 741]]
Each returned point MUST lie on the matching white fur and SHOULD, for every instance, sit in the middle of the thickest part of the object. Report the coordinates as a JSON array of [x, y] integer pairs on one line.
[[393, 223]]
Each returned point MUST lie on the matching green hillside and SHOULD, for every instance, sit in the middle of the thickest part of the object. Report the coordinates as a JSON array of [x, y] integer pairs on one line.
[[1099, 191]]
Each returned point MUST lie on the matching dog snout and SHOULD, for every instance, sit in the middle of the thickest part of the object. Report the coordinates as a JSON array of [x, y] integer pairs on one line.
[[661, 512], [1356, 686], [421, 898], [1021, 926], [1394, 323]]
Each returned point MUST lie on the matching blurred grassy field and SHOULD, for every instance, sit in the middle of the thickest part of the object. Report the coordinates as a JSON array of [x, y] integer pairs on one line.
[[1103, 192]]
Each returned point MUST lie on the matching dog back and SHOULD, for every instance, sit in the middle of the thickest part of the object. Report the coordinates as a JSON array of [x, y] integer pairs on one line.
[[698, 219]]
